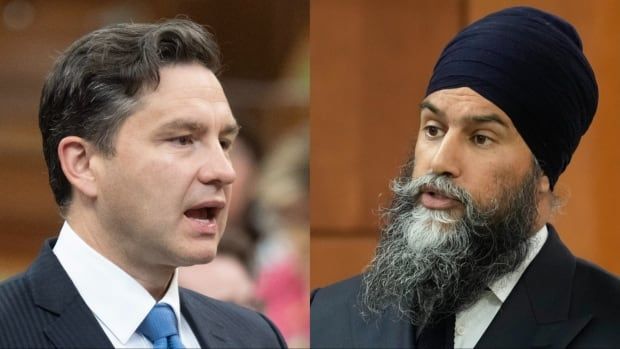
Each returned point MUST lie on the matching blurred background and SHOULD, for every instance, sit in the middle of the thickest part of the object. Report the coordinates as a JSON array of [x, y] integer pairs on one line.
[[262, 260], [371, 62]]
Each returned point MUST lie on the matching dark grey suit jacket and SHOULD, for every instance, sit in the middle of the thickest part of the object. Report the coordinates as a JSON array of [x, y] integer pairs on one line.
[[41, 309], [559, 302]]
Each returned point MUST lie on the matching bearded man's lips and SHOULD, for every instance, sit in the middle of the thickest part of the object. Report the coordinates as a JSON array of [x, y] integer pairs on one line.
[[435, 200]]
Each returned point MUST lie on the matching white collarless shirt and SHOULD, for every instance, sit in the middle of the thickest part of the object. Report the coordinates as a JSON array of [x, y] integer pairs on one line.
[[472, 322], [117, 300]]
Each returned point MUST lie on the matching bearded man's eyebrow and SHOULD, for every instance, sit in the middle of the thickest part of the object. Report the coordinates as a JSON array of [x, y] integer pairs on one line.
[[428, 105]]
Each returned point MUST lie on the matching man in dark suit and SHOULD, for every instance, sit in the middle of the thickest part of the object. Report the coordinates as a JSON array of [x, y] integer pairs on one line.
[[467, 257], [136, 135]]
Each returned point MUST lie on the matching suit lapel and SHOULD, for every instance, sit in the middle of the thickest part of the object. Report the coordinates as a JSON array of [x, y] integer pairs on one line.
[[77, 328], [514, 324], [53, 291], [536, 312]]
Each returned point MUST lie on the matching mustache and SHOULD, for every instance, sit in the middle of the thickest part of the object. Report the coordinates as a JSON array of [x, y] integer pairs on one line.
[[407, 191], [438, 184]]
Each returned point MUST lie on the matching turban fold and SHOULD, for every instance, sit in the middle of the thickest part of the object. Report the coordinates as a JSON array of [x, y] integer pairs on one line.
[[531, 65]]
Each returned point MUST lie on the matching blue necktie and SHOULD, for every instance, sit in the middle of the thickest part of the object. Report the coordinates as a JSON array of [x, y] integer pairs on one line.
[[160, 327]]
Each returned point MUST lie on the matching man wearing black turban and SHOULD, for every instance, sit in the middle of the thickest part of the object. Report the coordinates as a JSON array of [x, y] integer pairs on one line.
[[467, 258]]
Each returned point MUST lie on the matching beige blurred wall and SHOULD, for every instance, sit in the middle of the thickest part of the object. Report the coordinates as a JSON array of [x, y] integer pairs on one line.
[[371, 61]]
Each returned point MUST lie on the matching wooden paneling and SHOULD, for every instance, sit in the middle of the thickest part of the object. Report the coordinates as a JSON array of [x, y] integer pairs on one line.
[[338, 257], [371, 61]]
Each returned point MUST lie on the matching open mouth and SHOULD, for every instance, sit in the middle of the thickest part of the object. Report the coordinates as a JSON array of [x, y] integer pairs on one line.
[[203, 217], [433, 198], [203, 213], [432, 191], [438, 194]]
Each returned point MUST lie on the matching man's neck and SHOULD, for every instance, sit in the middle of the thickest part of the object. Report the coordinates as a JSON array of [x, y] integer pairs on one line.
[[154, 278]]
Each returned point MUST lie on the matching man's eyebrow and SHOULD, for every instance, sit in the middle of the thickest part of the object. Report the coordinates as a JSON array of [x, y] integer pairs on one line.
[[231, 130], [185, 125], [430, 106], [194, 126]]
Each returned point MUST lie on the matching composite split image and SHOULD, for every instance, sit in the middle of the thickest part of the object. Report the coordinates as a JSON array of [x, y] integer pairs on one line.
[[309, 174]]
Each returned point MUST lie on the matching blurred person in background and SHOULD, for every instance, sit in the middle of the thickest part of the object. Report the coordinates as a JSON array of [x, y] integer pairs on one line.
[[137, 135], [225, 278], [282, 256]]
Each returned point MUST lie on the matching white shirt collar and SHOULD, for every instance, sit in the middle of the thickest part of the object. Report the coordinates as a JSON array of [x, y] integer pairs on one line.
[[503, 286], [117, 300]]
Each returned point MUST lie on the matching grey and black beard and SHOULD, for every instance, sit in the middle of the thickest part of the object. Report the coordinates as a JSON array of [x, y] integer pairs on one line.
[[430, 264]]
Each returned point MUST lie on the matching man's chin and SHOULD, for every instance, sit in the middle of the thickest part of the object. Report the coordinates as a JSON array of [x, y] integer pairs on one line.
[[197, 256], [431, 228]]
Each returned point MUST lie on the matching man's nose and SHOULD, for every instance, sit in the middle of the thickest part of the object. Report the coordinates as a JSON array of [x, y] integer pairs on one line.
[[217, 168], [448, 156]]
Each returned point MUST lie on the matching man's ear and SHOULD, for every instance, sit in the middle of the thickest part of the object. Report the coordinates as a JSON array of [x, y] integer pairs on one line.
[[75, 155], [543, 184]]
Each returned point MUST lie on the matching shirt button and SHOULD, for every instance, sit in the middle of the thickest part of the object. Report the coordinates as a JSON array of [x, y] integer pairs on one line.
[[460, 330]]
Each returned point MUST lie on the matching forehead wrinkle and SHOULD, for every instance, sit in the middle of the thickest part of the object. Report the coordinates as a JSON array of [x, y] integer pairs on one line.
[[190, 114], [210, 94]]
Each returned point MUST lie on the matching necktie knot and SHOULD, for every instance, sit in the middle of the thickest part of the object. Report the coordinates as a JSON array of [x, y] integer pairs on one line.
[[160, 327]]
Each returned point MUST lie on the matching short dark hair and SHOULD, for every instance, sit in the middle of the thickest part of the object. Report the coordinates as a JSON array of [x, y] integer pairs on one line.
[[95, 84]]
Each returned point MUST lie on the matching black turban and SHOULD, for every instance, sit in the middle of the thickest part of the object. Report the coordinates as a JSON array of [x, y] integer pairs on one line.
[[531, 65]]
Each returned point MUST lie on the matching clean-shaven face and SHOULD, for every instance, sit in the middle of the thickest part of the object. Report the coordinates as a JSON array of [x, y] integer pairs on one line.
[[165, 192]]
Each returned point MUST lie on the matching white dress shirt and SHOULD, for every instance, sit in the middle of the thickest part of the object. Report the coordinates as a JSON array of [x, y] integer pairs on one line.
[[117, 300], [473, 321]]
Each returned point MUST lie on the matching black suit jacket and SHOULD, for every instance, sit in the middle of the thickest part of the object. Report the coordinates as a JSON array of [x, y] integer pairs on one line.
[[559, 302], [42, 308]]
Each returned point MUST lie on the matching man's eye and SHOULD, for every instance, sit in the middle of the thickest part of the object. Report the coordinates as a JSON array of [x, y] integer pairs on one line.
[[225, 144], [183, 140], [481, 140], [432, 131]]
